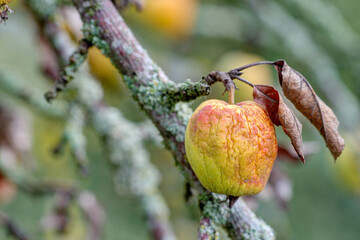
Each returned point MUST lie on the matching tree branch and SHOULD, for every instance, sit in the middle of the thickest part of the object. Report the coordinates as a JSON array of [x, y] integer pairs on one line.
[[187, 91], [147, 83], [243, 222]]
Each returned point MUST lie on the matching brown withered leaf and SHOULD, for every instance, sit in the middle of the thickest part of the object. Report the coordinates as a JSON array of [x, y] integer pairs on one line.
[[280, 114], [269, 98], [292, 127], [299, 91]]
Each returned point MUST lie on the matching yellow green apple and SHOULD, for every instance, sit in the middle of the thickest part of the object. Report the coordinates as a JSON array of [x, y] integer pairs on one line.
[[231, 148]]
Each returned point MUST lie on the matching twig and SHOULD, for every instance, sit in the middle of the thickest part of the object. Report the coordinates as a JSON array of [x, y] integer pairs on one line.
[[219, 76], [73, 134], [94, 214], [69, 71], [187, 91], [58, 219], [254, 64], [48, 27]]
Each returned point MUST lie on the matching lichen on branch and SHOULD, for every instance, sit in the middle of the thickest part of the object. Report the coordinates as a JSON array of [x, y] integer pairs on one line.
[[187, 91], [69, 71]]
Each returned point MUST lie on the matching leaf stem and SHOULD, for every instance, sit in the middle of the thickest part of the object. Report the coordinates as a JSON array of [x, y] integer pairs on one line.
[[242, 80], [254, 64]]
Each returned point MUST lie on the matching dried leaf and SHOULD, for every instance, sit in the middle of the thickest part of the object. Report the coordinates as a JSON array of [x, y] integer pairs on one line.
[[269, 98], [299, 91], [280, 114], [292, 127]]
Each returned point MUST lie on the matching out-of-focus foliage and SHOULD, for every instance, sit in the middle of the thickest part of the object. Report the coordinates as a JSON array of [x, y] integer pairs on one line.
[[189, 39]]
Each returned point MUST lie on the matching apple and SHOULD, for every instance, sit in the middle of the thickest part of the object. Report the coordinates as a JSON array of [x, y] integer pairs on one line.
[[231, 148]]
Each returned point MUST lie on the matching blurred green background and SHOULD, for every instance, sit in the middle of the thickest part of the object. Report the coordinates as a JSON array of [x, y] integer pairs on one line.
[[188, 39]]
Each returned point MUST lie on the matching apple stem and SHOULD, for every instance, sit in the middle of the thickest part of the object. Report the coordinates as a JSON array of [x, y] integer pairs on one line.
[[232, 95]]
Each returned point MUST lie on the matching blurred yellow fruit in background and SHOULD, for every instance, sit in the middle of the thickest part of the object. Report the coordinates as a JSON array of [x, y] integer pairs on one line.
[[257, 75], [102, 68], [347, 167], [175, 18]]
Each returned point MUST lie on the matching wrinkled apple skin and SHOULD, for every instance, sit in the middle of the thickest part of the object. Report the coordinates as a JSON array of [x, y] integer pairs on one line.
[[231, 148]]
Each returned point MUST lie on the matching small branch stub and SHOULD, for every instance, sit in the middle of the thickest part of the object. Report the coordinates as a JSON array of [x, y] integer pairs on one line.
[[232, 95], [227, 81]]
